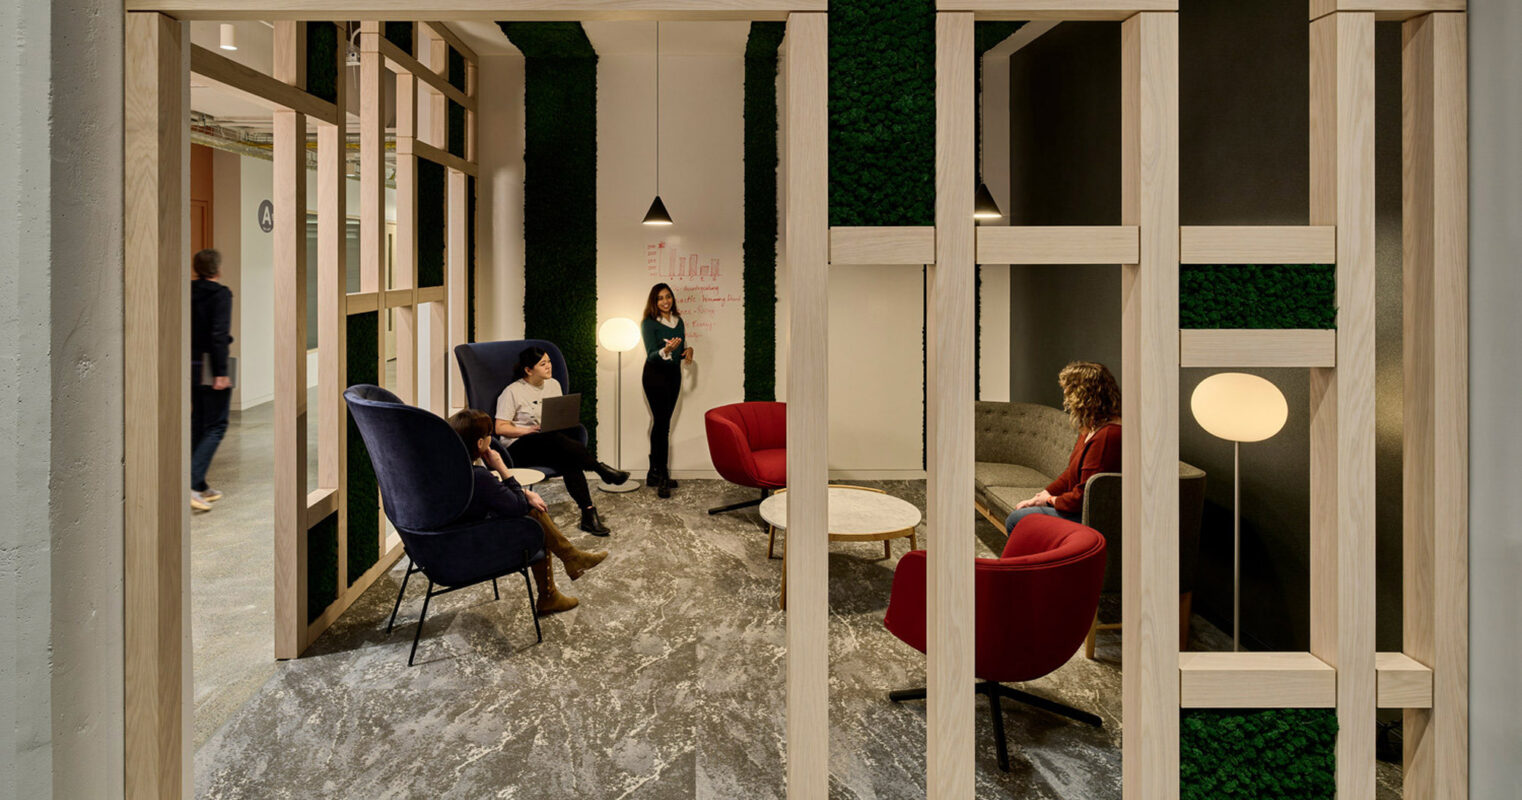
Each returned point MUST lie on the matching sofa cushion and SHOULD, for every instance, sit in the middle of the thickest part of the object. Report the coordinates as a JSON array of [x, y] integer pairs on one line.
[[1000, 500], [992, 473]]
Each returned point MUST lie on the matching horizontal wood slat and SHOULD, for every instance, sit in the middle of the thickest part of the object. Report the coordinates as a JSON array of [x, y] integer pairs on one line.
[[400, 61], [1255, 680], [1403, 682], [423, 150], [1257, 348], [1066, 244], [885, 245], [361, 302], [431, 294], [483, 10], [1302, 244], [1386, 9], [400, 298], [320, 503], [258, 87], [1115, 10]]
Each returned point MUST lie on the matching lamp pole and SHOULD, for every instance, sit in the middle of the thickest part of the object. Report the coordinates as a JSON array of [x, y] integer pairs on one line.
[[1236, 546]]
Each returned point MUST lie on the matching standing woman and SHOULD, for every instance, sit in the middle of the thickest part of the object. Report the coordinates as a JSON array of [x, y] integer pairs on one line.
[[665, 350], [1092, 399]]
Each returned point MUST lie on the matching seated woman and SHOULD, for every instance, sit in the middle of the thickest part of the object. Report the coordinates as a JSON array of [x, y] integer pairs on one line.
[[505, 498], [518, 416], [1092, 400]]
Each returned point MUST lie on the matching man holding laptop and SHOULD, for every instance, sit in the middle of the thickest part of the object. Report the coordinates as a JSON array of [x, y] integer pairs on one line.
[[532, 419]]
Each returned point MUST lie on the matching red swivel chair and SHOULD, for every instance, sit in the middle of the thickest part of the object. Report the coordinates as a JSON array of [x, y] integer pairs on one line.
[[748, 445], [1034, 607]]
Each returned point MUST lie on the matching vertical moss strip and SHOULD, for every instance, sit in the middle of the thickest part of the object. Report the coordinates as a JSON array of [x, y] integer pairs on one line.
[[322, 60], [470, 258], [363, 546], [560, 198], [322, 566], [761, 210], [432, 196], [400, 34]]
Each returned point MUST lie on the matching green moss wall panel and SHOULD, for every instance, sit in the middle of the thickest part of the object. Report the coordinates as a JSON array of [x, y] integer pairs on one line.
[[432, 199], [760, 247], [363, 546], [470, 263], [1258, 754], [456, 71], [455, 128], [322, 60], [1251, 296], [322, 566], [882, 112], [560, 198]]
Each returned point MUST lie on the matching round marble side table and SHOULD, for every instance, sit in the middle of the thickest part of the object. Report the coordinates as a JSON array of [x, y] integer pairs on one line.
[[856, 514], [526, 476]]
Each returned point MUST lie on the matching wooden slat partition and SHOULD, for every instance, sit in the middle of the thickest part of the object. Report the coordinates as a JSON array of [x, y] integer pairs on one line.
[[1257, 244], [1404, 682], [1073, 10], [404, 264], [808, 253], [1255, 680], [457, 279], [1385, 9], [372, 163], [1257, 348], [884, 245], [332, 318], [290, 256], [259, 88], [1067, 244], [443, 31], [404, 64], [1436, 454], [1342, 398], [1149, 391], [155, 406], [950, 339], [489, 10]]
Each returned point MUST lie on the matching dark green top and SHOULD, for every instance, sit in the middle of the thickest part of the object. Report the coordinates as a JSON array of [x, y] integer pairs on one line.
[[655, 335]]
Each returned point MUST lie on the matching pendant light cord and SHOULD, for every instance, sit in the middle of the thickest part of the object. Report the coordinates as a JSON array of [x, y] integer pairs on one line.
[[657, 108]]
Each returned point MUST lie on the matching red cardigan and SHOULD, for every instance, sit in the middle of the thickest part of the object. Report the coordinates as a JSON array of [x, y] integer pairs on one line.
[[1101, 453]]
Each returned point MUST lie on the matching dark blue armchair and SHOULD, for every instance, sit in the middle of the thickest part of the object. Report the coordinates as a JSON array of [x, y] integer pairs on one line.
[[425, 481], [487, 369]]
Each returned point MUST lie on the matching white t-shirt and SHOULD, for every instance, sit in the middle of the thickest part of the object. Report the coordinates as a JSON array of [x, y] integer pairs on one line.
[[521, 403]]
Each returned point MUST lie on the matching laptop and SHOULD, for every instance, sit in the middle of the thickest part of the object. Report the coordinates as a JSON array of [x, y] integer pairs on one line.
[[559, 413]]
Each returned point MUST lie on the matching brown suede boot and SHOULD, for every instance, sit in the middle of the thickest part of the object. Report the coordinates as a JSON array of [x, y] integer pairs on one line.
[[576, 560], [551, 601]]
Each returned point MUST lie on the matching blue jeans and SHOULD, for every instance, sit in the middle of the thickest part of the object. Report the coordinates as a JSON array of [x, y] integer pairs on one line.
[[1021, 513], [208, 423]]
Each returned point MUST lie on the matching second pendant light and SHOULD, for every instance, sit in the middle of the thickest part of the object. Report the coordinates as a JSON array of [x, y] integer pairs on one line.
[[657, 215]]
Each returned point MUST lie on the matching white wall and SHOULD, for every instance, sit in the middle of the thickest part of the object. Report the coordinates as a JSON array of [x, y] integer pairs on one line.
[[499, 199], [702, 183]]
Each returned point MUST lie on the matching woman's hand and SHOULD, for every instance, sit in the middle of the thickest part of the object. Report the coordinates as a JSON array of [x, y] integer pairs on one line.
[[687, 355], [1041, 498], [535, 501], [672, 344]]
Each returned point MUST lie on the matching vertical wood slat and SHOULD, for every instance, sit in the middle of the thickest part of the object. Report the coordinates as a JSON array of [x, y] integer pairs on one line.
[[807, 252], [290, 178], [1149, 374], [372, 162], [404, 269], [155, 403], [332, 326], [949, 608], [1435, 320], [457, 283], [434, 364], [1342, 398]]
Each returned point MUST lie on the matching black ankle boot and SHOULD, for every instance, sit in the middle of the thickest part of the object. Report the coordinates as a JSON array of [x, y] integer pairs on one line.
[[592, 523], [611, 476], [664, 490]]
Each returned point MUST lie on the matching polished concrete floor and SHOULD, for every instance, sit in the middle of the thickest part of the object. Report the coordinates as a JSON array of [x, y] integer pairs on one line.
[[667, 682]]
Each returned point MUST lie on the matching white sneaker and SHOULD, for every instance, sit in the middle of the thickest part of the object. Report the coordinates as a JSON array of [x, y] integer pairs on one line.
[[211, 495], [198, 502]]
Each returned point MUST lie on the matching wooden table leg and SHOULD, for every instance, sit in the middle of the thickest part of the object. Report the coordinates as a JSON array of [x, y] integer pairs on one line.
[[887, 548], [782, 592]]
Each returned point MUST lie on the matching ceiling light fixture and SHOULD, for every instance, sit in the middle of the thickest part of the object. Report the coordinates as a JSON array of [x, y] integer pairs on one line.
[[229, 36], [657, 214]]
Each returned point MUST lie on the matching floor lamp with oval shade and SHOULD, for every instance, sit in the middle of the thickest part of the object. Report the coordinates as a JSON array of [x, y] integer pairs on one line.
[[619, 334], [1239, 408]]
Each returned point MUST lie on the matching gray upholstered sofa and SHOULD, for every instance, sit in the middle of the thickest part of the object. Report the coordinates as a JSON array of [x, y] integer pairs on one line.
[[1021, 447]]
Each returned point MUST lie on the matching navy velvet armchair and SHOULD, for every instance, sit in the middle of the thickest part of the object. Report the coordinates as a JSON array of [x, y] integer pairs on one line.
[[487, 369], [425, 480]]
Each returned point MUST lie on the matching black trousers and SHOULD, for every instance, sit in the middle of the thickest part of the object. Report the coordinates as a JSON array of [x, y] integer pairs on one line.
[[663, 383], [568, 456]]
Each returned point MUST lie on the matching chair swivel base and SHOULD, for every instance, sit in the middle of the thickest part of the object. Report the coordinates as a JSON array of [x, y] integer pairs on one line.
[[618, 488], [765, 493], [995, 691]]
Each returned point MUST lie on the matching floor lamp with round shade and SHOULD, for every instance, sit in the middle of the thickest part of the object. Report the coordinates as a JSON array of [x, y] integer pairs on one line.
[[1239, 408], [619, 334]]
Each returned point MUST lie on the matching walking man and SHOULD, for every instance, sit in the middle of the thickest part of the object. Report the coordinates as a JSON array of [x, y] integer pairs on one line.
[[211, 308]]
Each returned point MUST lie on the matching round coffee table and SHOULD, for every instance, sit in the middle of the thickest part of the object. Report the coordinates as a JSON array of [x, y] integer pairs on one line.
[[525, 476], [856, 514]]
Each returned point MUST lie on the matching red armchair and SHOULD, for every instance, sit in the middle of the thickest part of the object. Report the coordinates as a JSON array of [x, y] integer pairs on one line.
[[1034, 606], [748, 445]]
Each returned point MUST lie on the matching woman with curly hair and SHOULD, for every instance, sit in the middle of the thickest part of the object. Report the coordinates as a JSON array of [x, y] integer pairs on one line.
[[1092, 400]]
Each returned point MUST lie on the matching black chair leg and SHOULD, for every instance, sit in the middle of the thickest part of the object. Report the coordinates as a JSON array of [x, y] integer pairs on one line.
[[496, 595], [907, 694], [411, 568], [1049, 705], [1001, 748], [737, 506], [533, 610], [423, 616]]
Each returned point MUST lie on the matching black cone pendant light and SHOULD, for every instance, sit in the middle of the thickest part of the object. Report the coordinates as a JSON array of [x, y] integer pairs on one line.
[[983, 205], [657, 215]]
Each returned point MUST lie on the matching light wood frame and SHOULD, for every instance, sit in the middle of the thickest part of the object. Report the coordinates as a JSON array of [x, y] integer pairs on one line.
[[1433, 670]]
